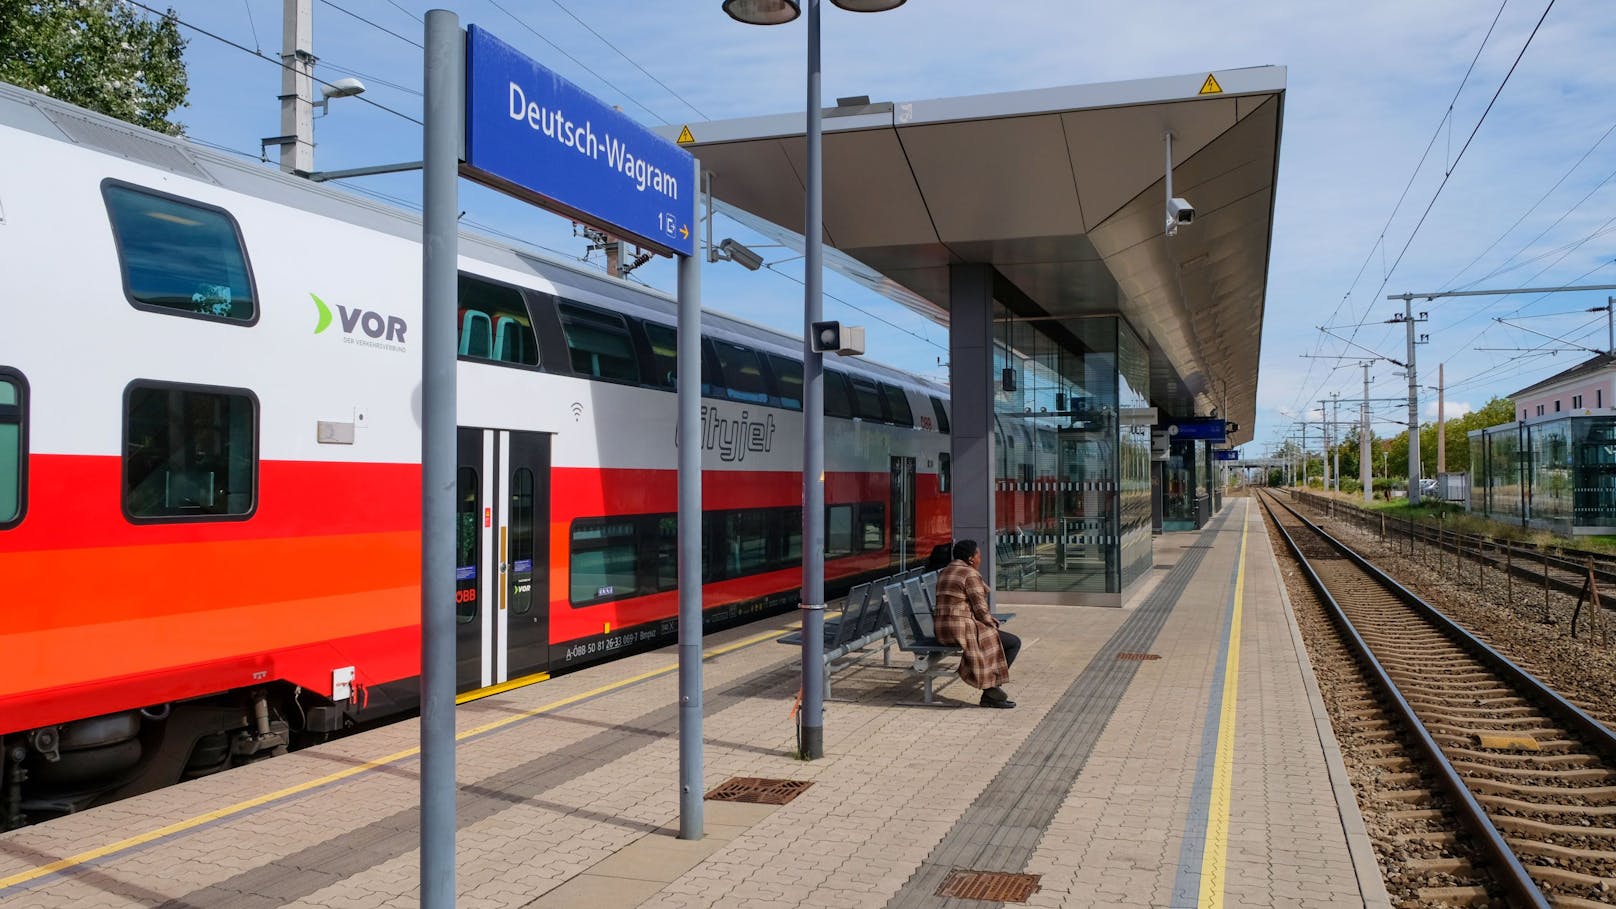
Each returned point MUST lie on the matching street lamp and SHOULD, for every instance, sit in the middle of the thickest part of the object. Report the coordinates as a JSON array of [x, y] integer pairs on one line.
[[812, 718]]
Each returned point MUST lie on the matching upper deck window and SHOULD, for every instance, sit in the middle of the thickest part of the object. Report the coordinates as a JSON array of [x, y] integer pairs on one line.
[[13, 446], [599, 344], [897, 405], [788, 375], [494, 323], [180, 256], [743, 372]]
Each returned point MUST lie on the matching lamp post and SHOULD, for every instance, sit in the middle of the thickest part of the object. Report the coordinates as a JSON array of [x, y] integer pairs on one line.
[[779, 12]]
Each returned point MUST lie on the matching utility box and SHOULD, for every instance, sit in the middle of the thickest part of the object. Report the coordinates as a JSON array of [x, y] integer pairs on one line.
[[1453, 486]]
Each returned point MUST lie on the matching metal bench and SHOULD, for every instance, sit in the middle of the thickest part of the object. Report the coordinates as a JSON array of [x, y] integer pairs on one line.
[[914, 632], [863, 622]]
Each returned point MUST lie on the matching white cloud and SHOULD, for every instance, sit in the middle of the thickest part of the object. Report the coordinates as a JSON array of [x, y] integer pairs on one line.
[[1452, 409]]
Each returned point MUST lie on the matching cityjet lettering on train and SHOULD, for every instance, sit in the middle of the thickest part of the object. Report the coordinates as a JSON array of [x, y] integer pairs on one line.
[[733, 437], [582, 138], [374, 329]]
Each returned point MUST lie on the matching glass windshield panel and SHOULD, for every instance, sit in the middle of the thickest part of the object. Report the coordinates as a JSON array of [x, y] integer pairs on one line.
[[180, 255]]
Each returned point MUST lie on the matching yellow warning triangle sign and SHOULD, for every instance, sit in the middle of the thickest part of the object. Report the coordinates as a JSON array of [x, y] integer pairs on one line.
[[685, 138], [1209, 87]]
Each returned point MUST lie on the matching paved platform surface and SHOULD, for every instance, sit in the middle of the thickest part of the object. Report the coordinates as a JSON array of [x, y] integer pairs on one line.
[[1205, 777]]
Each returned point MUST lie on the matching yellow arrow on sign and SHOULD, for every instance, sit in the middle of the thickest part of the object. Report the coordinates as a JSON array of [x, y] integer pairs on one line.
[[684, 231]]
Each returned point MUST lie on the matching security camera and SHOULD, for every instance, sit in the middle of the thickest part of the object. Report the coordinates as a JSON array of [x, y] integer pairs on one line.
[[1180, 211], [739, 254]]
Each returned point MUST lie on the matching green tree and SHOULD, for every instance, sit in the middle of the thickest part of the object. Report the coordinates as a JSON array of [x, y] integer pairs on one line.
[[99, 54]]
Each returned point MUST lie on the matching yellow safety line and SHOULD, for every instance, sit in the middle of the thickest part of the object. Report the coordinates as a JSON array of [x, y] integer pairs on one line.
[[140, 839], [1215, 852]]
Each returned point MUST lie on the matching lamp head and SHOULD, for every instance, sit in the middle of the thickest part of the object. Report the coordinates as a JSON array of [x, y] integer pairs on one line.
[[342, 88], [762, 12], [868, 6]]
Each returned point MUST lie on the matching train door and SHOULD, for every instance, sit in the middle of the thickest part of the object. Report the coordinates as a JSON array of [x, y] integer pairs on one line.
[[502, 533], [903, 511]]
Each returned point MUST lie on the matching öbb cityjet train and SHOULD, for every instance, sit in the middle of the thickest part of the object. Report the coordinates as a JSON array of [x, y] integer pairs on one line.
[[210, 462]]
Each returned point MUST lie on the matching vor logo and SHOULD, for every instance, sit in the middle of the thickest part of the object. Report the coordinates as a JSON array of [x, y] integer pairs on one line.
[[374, 329]]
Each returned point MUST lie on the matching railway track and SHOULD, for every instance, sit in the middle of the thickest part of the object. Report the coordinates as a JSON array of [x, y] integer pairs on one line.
[[1560, 570], [1533, 777]]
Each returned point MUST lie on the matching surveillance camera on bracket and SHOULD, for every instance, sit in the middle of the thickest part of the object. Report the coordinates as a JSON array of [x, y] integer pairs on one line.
[[738, 253], [1179, 213]]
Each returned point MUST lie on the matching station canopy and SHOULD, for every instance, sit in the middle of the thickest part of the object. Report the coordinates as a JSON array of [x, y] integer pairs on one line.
[[1059, 189]]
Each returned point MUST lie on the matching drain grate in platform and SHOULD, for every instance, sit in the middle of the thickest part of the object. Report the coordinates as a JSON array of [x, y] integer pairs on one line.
[[1141, 657], [758, 790], [997, 886]]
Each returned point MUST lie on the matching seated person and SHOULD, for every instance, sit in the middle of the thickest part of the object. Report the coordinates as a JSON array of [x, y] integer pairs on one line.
[[962, 619]]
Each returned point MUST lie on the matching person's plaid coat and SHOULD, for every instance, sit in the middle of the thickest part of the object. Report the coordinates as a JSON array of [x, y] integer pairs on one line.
[[962, 619]]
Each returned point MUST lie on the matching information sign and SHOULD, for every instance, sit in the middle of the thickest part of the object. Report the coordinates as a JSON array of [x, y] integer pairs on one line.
[[1227, 454], [1202, 429], [532, 133]]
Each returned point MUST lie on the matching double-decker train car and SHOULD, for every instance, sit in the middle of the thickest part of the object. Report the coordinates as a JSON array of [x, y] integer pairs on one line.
[[210, 462]]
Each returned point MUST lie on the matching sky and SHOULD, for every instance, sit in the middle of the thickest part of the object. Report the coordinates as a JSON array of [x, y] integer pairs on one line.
[[1422, 151]]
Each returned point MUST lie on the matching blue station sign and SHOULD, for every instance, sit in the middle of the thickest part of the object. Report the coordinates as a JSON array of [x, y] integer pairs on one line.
[[1226, 454], [532, 133], [1201, 429]]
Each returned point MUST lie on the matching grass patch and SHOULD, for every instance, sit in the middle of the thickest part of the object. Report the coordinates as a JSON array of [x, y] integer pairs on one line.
[[1454, 517]]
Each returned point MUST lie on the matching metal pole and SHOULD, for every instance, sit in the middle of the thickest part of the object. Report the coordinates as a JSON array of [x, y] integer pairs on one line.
[[812, 717], [297, 93], [691, 789], [444, 128], [1610, 325], [1413, 409], [1324, 451], [1441, 420], [1365, 456], [1335, 429]]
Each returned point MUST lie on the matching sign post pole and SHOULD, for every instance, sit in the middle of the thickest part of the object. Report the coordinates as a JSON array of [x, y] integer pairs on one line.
[[440, 196], [688, 380]]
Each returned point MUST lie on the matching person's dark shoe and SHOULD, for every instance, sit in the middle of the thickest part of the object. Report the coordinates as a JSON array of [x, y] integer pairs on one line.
[[1000, 703]]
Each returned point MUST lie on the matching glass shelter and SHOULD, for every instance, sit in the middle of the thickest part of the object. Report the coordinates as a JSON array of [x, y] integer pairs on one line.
[[1558, 474]]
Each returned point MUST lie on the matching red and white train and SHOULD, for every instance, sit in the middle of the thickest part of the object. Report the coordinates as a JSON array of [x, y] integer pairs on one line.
[[210, 462]]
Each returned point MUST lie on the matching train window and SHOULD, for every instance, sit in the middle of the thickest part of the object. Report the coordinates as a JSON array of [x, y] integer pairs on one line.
[[867, 400], [664, 355], [604, 559], [667, 552], [13, 447], [599, 344], [838, 396], [494, 323], [945, 471], [790, 537], [743, 372], [179, 256], [466, 538], [746, 542], [941, 410], [897, 405], [788, 376], [189, 452], [838, 530], [521, 540], [870, 535]]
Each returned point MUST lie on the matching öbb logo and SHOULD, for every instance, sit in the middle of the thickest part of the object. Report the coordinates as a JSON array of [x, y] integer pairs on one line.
[[382, 330]]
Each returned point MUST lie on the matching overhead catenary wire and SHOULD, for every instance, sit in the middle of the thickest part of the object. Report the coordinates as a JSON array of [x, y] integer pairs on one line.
[[631, 60], [174, 17], [584, 66], [1381, 238], [1453, 165], [379, 27]]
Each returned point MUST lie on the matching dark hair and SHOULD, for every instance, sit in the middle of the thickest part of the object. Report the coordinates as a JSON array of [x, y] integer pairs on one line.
[[964, 549], [941, 555]]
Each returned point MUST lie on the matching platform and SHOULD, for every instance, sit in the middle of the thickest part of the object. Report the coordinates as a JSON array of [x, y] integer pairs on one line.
[[1205, 776]]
